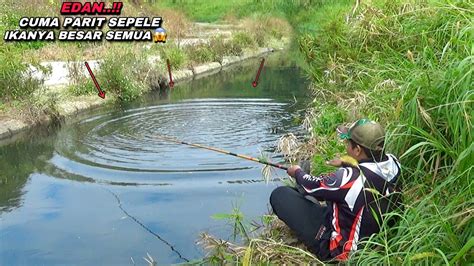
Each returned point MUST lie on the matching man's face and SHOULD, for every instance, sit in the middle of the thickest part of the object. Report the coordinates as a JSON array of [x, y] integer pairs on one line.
[[353, 151]]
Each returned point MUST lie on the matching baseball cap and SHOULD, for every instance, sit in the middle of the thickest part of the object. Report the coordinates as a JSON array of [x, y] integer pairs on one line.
[[364, 132]]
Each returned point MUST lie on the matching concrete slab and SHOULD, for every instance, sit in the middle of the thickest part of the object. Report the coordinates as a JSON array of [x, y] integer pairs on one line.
[[181, 75], [60, 71], [229, 60], [81, 105], [66, 109], [4, 132], [14, 126], [213, 66]]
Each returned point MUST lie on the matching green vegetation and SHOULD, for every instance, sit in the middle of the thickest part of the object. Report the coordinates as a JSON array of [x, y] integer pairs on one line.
[[215, 50], [16, 172], [19, 89], [121, 72], [211, 11], [262, 244], [409, 65], [15, 79], [124, 73], [176, 56], [243, 39]]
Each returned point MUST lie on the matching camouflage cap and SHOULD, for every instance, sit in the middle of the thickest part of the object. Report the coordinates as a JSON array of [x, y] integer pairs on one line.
[[364, 132]]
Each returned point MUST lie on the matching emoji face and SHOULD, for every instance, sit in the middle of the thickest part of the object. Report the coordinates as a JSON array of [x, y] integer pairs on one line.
[[160, 35]]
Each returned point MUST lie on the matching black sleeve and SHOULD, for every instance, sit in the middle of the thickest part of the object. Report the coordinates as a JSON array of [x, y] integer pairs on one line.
[[332, 187]]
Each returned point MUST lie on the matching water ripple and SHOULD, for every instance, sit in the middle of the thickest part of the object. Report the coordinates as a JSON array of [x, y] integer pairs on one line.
[[126, 142]]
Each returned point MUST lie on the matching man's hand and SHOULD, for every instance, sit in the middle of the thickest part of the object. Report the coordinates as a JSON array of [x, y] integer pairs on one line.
[[344, 160], [337, 162], [292, 170]]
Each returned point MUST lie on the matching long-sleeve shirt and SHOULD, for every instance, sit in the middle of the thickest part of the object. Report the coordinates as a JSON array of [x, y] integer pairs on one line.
[[357, 197]]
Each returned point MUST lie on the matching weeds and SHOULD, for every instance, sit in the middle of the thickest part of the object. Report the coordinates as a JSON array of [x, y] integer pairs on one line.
[[124, 73], [16, 80], [80, 84], [425, 97], [222, 47], [243, 39], [176, 24], [200, 54], [236, 219], [121, 73], [267, 170], [176, 56], [288, 146], [270, 242], [42, 106], [263, 28], [214, 51]]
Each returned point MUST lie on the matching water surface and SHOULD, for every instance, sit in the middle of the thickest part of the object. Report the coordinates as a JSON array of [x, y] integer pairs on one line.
[[103, 190]]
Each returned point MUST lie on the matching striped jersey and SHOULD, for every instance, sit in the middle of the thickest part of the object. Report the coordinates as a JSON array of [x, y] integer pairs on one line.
[[357, 197]]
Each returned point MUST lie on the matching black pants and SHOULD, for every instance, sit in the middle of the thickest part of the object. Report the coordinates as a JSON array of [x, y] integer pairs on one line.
[[309, 220]]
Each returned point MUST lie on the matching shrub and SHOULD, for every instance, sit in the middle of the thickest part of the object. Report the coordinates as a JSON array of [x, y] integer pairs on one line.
[[177, 57], [220, 47], [80, 83], [16, 81], [263, 28], [178, 24], [243, 39], [85, 87], [200, 53], [123, 73], [257, 31], [214, 51]]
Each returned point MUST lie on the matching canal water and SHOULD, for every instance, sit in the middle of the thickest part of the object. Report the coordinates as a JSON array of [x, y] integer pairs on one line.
[[103, 190]]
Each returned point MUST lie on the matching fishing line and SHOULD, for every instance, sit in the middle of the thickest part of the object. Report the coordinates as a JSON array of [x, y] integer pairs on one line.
[[146, 228]]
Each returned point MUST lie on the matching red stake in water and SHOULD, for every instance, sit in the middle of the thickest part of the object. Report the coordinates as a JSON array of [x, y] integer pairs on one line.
[[169, 71], [255, 82], [101, 92]]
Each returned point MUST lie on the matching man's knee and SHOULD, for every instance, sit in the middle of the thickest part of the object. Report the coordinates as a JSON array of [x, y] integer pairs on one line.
[[279, 196]]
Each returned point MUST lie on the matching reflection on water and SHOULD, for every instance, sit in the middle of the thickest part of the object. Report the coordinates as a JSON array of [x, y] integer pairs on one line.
[[18, 161], [103, 189]]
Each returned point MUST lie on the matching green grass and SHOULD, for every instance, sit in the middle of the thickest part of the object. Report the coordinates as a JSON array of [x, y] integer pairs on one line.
[[214, 51], [176, 56], [16, 83], [124, 83], [212, 11], [300, 12], [124, 73], [409, 65]]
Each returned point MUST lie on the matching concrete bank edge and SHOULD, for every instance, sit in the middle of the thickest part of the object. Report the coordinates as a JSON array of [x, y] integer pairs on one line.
[[10, 127]]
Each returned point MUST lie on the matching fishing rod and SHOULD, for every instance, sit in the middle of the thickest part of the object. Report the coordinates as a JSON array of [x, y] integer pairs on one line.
[[222, 151]]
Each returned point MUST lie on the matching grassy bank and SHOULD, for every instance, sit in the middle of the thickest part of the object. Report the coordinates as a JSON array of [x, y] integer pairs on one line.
[[407, 64], [128, 70]]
